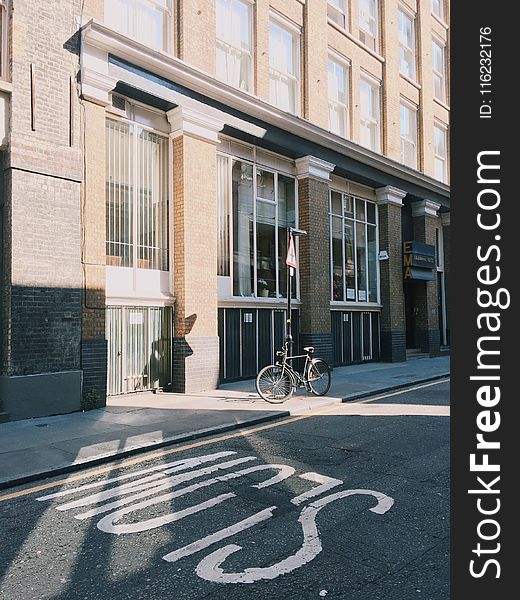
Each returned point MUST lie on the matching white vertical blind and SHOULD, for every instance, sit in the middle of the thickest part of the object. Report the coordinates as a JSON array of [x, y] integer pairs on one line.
[[235, 43], [223, 216], [137, 195]]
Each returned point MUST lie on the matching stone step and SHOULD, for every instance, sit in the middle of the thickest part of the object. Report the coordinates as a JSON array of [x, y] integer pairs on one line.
[[416, 354], [4, 417]]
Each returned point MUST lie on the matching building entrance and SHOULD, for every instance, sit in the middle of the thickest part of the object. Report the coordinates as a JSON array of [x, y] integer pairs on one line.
[[139, 348]]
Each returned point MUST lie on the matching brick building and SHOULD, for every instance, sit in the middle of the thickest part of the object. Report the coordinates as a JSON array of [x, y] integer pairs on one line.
[[153, 154]]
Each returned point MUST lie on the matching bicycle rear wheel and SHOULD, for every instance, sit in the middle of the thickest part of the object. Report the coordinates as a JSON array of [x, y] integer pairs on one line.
[[274, 384], [318, 377]]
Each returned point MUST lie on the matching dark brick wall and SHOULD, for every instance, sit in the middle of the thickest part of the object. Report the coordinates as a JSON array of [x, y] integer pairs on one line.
[[447, 274], [426, 292], [94, 366], [313, 202], [195, 363], [393, 326], [322, 343]]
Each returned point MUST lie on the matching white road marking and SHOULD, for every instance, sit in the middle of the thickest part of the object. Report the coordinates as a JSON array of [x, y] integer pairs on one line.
[[218, 536], [209, 568], [148, 524], [180, 465], [169, 483], [326, 484], [106, 523], [145, 487]]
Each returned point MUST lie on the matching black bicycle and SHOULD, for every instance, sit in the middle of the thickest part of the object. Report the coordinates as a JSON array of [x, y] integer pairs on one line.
[[276, 383]]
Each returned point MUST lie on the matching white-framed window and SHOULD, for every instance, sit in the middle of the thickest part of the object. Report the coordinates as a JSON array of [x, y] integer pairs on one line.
[[408, 125], [353, 248], [438, 8], [337, 11], [440, 142], [407, 44], [339, 92], [370, 124], [255, 206], [439, 70], [4, 41], [137, 196], [284, 64], [147, 21], [369, 23], [235, 43]]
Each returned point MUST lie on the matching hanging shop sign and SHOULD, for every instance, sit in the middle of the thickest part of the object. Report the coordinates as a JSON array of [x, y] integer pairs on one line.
[[418, 261]]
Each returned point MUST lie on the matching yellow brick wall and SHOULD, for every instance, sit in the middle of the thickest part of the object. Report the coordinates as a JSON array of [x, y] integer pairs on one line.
[[196, 46]]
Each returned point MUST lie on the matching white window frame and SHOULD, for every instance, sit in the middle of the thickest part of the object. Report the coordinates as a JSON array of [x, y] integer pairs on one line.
[[346, 65], [296, 33], [402, 43], [338, 12], [250, 51], [440, 75], [168, 23], [135, 123], [437, 157], [374, 84], [257, 165], [415, 142], [440, 14], [375, 36], [4, 41], [354, 219]]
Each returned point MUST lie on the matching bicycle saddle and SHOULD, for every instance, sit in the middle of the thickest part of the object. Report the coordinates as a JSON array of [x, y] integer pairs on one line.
[[309, 349]]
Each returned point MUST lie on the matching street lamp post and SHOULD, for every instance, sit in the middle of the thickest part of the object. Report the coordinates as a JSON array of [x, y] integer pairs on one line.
[[291, 263]]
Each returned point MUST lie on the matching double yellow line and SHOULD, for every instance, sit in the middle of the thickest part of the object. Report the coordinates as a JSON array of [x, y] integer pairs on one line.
[[206, 442]]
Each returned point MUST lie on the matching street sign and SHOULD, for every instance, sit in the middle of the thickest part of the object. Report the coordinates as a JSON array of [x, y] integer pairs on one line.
[[290, 261]]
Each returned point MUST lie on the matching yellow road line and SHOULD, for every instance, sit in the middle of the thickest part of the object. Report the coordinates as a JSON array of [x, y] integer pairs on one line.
[[140, 459]]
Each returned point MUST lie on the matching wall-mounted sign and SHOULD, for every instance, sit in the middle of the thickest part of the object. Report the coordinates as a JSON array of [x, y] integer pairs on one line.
[[418, 261]]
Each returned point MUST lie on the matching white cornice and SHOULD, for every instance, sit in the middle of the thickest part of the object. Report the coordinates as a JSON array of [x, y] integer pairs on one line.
[[310, 166], [97, 35], [96, 86], [188, 121], [390, 195], [425, 208]]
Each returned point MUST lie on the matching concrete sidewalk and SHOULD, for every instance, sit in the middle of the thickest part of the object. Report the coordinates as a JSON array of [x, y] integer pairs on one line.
[[35, 448]]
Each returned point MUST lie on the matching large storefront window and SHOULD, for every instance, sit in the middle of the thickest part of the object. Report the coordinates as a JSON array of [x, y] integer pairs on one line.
[[136, 197], [353, 227], [255, 207]]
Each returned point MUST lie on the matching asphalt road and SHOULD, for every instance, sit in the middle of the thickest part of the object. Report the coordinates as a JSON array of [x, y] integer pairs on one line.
[[368, 520]]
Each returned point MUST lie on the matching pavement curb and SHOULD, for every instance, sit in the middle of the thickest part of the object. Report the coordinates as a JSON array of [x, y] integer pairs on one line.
[[110, 456], [393, 388]]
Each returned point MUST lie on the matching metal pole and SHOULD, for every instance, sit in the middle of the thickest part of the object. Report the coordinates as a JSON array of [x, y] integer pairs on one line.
[[290, 271]]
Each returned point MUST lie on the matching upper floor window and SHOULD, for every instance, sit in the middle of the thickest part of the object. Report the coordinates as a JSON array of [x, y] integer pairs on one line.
[[4, 41], [136, 196], [338, 74], [406, 44], [353, 246], [408, 124], [440, 142], [148, 21], [284, 65], [370, 114], [439, 70], [438, 8], [235, 43], [369, 23], [255, 206], [337, 11]]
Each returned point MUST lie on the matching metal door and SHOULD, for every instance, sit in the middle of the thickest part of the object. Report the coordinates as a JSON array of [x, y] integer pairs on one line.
[[139, 348]]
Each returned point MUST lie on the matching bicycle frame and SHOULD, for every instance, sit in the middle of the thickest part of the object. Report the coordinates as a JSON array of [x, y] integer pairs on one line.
[[298, 379]]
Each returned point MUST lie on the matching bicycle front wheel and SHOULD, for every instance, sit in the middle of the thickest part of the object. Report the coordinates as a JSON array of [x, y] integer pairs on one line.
[[274, 384], [318, 377]]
